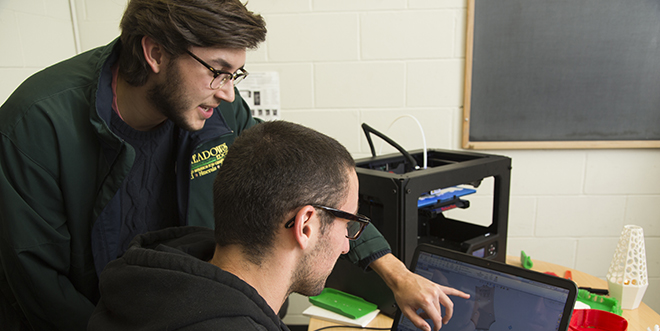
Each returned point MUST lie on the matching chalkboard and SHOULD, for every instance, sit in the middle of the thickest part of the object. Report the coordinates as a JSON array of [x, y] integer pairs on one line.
[[562, 74]]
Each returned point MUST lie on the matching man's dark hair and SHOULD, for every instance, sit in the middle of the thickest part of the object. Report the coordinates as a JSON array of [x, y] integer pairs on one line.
[[270, 171], [179, 24]]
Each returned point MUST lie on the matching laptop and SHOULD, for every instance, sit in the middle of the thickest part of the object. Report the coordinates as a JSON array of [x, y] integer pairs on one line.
[[502, 297]]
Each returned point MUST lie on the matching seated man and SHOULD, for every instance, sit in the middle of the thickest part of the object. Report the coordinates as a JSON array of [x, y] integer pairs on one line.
[[284, 205]]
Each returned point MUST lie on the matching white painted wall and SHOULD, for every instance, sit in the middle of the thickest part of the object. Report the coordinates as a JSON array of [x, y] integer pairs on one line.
[[345, 62]]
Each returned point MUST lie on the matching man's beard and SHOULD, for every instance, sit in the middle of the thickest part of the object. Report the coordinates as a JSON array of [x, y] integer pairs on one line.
[[169, 98], [305, 281]]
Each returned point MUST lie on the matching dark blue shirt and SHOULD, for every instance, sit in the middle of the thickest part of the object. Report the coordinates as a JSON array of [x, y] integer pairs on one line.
[[148, 194]]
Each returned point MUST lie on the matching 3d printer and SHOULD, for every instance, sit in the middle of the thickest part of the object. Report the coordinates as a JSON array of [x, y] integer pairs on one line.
[[409, 205]]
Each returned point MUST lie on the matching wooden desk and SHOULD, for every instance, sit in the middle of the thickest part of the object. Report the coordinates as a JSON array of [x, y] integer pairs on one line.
[[638, 319]]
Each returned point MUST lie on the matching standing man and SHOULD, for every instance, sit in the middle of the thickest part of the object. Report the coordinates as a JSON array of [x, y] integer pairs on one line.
[[285, 209], [126, 139], [112, 143]]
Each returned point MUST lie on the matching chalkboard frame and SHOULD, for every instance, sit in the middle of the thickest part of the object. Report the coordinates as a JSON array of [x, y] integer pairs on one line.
[[468, 112]]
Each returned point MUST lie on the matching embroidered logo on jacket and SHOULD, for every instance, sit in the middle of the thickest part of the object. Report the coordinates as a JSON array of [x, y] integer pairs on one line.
[[208, 161]]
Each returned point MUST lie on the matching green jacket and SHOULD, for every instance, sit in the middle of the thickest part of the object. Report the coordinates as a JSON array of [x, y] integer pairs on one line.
[[61, 170]]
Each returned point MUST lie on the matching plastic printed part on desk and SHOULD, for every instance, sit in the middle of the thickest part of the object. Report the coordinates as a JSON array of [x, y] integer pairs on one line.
[[627, 278], [526, 261], [596, 320], [599, 302], [343, 303], [324, 314]]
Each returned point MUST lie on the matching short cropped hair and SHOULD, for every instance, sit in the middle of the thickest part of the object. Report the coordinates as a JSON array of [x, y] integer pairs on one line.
[[270, 171], [178, 25]]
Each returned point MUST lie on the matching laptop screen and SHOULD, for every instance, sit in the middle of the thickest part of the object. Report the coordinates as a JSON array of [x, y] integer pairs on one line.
[[502, 297]]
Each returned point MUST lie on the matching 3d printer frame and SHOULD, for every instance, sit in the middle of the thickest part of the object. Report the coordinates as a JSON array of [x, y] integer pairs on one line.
[[389, 193]]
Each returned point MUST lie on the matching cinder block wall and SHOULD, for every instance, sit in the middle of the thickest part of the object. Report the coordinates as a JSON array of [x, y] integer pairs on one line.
[[345, 62]]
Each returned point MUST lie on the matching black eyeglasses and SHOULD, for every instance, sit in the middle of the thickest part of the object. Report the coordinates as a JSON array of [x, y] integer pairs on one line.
[[221, 77], [356, 222]]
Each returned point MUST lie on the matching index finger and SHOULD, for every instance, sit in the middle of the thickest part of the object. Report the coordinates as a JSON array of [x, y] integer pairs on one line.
[[448, 304], [454, 292]]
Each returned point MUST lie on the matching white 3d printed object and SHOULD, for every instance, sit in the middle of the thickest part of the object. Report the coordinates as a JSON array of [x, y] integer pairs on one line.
[[627, 277]]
